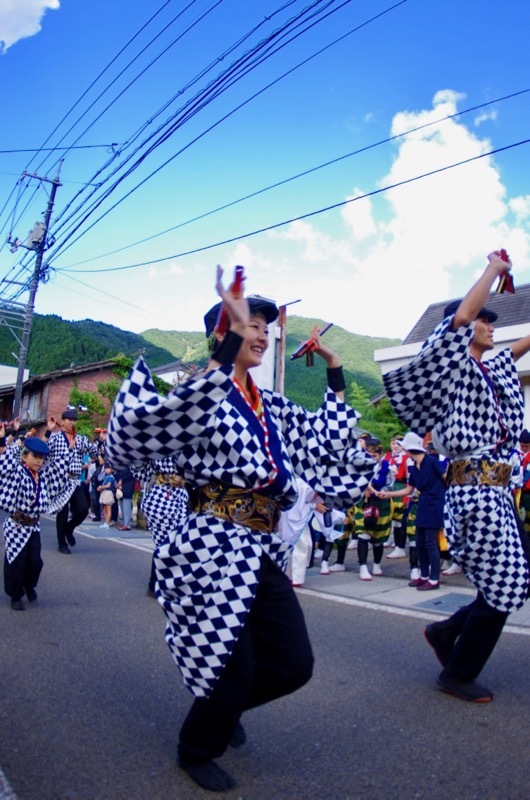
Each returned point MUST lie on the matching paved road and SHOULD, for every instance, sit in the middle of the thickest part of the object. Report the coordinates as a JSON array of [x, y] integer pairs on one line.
[[91, 702]]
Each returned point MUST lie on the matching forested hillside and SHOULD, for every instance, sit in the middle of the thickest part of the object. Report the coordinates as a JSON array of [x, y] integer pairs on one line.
[[57, 344], [304, 385]]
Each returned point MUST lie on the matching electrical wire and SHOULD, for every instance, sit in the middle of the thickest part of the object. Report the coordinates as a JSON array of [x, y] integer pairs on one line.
[[308, 215], [302, 174], [101, 199]]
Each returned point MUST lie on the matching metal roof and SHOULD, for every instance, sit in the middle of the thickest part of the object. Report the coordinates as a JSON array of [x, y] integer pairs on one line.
[[513, 309]]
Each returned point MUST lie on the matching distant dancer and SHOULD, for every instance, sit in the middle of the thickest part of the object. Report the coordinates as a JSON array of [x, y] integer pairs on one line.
[[72, 504]]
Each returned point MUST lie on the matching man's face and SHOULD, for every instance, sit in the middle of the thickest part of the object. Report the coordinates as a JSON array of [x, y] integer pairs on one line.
[[525, 447], [68, 425], [483, 334]]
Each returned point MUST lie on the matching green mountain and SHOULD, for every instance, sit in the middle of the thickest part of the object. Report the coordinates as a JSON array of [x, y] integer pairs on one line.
[[304, 385], [58, 344]]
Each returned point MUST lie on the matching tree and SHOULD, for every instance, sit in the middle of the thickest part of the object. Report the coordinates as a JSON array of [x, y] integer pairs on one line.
[[379, 419]]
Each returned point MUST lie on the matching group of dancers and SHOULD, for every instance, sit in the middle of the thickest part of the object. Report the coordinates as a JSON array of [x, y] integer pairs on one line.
[[227, 457]]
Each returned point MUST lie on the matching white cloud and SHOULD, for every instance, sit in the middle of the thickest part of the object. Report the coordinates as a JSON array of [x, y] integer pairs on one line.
[[21, 18], [520, 207], [485, 116], [414, 245]]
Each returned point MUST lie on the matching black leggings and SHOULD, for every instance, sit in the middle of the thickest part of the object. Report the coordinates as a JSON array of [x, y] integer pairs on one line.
[[341, 550], [362, 551]]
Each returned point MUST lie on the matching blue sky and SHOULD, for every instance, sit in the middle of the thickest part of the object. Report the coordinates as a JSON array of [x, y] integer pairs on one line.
[[79, 75]]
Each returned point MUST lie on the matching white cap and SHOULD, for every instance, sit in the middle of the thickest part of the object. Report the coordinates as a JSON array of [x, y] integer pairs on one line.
[[411, 441]]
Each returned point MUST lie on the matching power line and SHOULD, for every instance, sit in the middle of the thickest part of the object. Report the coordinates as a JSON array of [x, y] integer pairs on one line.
[[165, 136], [303, 174], [305, 216], [62, 149]]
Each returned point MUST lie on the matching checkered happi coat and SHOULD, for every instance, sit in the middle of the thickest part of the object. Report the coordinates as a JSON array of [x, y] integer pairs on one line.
[[444, 390], [165, 506], [56, 443], [208, 569], [20, 492]]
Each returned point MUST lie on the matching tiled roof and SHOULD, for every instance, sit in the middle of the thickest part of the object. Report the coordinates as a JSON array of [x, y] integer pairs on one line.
[[513, 309]]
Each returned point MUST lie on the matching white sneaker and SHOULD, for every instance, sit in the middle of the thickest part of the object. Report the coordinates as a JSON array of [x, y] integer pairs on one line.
[[364, 575], [397, 552], [415, 574], [337, 568], [454, 569], [376, 570], [318, 553], [104, 525], [324, 569], [352, 544]]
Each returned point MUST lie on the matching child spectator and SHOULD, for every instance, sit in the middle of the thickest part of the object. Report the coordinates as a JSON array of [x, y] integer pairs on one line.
[[106, 497]]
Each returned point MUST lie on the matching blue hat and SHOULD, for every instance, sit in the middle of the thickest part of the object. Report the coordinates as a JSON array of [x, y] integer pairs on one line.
[[37, 446]]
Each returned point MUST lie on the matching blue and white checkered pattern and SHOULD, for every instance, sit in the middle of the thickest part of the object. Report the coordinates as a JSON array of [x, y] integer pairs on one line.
[[482, 531], [19, 492], [164, 506], [82, 447], [207, 577], [207, 569], [444, 390]]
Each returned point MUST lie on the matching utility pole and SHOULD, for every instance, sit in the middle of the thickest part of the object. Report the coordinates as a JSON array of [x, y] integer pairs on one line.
[[40, 247], [279, 376]]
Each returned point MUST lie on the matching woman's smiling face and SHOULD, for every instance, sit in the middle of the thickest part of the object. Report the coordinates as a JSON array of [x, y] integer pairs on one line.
[[255, 342]]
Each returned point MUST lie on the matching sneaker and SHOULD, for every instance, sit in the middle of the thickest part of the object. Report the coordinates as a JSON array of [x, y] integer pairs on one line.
[[376, 570], [428, 586], [441, 640], [65, 550], [364, 575], [17, 605], [352, 545], [324, 569], [296, 585], [454, 569], [337, 568], [415, 574], [104, 525], [318, 553], [415, 582], [465, 690], [397, 552], [70, 538]]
